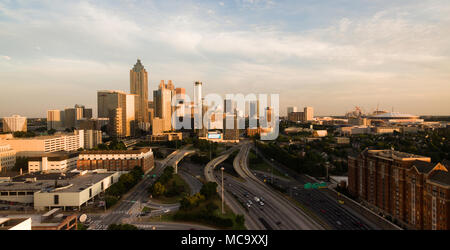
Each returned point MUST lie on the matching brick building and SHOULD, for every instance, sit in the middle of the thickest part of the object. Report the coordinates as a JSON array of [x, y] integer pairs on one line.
[[118, 160], [408, 188]]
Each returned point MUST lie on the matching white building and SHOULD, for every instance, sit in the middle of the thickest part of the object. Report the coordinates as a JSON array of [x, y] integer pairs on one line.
[[7, 157], [46, 144], [73, 189], [53, 162], [15, 123]]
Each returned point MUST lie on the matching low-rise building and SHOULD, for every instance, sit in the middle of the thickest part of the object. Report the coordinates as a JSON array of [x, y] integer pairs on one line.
[[117, 160], [58, 162], [163, 137], [66, 190], [52, 220], [46, 144]]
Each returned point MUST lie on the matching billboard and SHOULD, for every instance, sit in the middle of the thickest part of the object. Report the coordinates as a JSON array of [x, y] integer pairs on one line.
[[214, 136]]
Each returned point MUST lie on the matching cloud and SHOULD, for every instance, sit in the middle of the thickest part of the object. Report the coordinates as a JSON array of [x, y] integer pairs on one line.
[[5, 57], [347, 56]]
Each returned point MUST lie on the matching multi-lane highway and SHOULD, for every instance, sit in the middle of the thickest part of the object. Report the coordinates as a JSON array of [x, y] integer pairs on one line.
[[319, 202], [278, 212], [251, 222]]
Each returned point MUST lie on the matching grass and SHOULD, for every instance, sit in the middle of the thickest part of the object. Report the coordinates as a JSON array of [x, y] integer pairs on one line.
[[261, 165]]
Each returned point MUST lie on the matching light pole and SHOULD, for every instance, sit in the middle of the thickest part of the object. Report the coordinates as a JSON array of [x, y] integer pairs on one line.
[[222, 188]]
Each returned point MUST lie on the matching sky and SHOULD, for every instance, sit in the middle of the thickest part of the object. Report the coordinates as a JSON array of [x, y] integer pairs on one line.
[[328, 54]]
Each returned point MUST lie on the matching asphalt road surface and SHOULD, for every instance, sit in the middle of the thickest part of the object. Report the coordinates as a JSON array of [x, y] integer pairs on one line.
[[279, 212], [319, 202]]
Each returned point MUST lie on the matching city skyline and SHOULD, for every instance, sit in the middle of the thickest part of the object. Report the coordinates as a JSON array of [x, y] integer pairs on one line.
[[329, 57]]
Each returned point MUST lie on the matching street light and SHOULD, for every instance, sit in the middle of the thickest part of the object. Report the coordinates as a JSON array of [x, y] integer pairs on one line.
[[222, 188]]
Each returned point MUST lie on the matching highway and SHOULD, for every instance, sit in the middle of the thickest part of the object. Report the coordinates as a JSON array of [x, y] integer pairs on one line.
[[318, 201], [130, 205], [251, 222], [278, 212]]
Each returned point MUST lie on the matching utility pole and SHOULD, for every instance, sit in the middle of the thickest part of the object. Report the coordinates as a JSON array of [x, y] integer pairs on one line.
[[222, 189]]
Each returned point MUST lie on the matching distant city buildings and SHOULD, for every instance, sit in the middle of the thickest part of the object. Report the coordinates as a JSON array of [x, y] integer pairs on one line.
[[306, 116], [69, 118], [408, 188], [15, 123]]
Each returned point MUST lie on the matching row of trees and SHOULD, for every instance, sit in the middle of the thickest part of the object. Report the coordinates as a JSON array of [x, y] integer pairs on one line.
[[125, 183]]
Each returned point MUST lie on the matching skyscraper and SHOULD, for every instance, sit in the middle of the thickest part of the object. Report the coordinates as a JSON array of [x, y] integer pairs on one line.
[[118, 106], [162, 99], [198, 114], [139, 87]]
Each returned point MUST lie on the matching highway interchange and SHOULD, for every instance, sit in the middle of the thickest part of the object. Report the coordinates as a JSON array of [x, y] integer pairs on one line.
[[243, 195]]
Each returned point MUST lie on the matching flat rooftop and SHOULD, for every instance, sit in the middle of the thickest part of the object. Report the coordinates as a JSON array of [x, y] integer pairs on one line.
[[396, 154], [73, 184], [7, 223]]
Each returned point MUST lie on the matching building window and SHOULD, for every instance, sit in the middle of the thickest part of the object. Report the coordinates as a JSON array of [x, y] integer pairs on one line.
[[56, 199]]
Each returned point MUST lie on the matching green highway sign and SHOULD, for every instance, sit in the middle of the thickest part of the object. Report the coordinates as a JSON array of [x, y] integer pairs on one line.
[[315, 185]]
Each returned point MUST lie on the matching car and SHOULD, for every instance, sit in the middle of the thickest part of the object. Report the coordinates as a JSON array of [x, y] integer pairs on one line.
[[278, 223], [261, 203], [250, 202], [257, 199], [339, 223], [248, 205], [322, 210], [262, 198]]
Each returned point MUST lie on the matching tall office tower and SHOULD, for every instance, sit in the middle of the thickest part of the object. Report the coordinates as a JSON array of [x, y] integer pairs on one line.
[[109, 100], [171, 87], [309, 114], [162, 99], [291, 109], [55, 119], [229, 106], [15, 123], [139, 87], [198, 105], [204, 130]]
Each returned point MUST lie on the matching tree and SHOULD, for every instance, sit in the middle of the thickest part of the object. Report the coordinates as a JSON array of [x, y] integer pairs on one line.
[[51, 131], [209, 189], [158, 189]]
